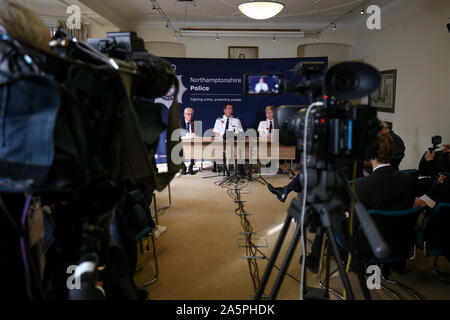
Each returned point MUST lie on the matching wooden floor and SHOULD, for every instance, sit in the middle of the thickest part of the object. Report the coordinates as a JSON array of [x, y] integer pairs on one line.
[[199, 256]]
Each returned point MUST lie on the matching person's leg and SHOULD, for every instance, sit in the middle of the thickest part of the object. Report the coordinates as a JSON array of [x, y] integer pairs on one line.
[[283, 192], [191, 167]]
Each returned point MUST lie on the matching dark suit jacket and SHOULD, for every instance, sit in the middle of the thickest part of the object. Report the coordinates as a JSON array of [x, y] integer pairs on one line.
[[388, 189], [184, 130]]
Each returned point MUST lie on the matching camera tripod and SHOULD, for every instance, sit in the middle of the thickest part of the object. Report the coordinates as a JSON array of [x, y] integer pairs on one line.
[[323, 180]]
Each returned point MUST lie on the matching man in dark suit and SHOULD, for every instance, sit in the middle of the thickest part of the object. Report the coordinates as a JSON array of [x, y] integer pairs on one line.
[[187, 126], [387, 189]]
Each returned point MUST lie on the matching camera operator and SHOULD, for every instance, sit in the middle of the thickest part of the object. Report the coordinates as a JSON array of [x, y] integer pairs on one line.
[[434, 162], [20, 23], [23, 24], [399, 145], [437, 231]]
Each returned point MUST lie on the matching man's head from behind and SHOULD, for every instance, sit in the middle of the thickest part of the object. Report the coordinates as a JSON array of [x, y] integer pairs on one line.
[[384, 128], [228, 110], [23, 24], [188, 114], [385, 150]]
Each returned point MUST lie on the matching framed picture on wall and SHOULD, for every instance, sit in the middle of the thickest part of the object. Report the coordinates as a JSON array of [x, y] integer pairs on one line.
[[384, 98], [243, 52]]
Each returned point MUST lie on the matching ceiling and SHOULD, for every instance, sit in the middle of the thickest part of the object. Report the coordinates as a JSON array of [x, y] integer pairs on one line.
[[211, 13], [52, 11]]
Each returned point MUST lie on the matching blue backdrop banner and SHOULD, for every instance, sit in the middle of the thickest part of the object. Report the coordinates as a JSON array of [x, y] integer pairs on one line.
[[206, 85]]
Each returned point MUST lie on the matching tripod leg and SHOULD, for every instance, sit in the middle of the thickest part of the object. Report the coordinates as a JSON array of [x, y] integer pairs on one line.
[[286, 262], [338, 258], [273, 258]]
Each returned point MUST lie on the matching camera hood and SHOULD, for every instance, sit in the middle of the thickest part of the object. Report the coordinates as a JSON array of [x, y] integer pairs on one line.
[[352, 80]]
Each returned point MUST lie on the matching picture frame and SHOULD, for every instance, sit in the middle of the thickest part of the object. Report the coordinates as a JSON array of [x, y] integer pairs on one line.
[[384, 98], [243, 52]]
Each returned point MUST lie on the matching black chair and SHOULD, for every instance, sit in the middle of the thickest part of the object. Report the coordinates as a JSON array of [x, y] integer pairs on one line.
[[398, 230], [429, 239], [142, 209]]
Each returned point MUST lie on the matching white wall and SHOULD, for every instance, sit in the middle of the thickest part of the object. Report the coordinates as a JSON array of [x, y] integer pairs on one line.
[[166, 49], [335, 52], [415, 41], [96, 30], [208, 47]]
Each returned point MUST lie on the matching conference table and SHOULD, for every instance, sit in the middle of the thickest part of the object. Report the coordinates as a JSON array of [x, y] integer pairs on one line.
[[248, 149]]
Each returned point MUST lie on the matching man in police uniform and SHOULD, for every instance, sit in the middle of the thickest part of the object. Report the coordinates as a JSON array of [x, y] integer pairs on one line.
[[225, 123]]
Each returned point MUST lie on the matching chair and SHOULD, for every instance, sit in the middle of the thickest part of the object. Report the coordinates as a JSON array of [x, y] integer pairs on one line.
[[401, 243], [396, 159], [156, 209], [413, 172], [146, 233], [400, 248], [428, 245]]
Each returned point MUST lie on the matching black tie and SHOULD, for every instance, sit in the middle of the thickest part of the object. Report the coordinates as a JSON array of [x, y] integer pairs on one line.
[[228, 124], [188, 127], [270, 127]]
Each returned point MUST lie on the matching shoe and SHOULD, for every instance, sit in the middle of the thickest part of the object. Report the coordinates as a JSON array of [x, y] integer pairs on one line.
[[158, 231], [191, 170], [312, 264], [214, 167], [279, 192], [280, 171], [184, 171]]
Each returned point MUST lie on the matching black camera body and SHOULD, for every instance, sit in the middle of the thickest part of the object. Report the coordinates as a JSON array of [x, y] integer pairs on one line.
[[335, 129], [339, 131], [435, 141]]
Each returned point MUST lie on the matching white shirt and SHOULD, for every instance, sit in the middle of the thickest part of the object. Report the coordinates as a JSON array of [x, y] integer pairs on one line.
[[380, 166], [261, 87], [233, 125], [265, 126]]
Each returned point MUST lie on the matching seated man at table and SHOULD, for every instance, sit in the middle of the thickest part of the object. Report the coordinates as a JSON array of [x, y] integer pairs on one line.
[[187, 131], [226, 123]]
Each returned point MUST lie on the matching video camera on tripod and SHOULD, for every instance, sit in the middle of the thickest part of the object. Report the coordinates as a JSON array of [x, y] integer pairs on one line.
[[328, 133]]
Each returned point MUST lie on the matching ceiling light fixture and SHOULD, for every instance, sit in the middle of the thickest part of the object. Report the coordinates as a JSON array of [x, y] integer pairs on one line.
[[217, 37], [261, 10], [334, 26], [274, 39], [362, 10]]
